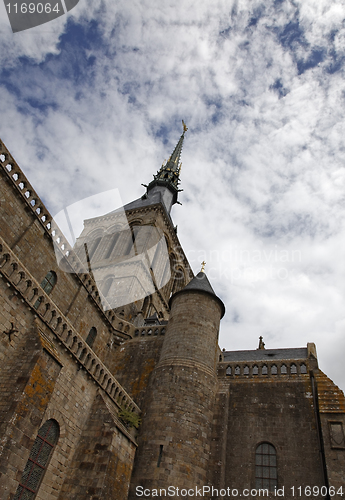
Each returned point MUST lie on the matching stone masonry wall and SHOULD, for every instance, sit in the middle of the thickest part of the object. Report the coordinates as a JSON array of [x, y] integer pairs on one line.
[[102, 463], [281, 413], [47, 371]]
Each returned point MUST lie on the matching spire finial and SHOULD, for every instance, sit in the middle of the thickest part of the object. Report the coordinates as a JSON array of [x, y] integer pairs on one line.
[[203, 264], [185, 128]]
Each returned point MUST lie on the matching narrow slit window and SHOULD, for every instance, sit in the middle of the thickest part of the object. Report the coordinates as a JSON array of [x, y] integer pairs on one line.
[[160, 455]]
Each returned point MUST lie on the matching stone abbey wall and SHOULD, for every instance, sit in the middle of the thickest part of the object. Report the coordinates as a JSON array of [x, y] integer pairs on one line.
[[47, 370]]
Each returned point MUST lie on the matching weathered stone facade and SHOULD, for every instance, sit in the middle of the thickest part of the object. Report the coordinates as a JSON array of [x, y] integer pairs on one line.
[[208, 418]]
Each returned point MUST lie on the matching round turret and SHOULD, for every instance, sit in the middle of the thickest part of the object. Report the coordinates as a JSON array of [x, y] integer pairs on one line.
[[177, 425]]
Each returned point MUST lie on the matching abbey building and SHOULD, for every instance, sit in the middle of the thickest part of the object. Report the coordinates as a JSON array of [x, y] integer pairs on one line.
[[112, 382]]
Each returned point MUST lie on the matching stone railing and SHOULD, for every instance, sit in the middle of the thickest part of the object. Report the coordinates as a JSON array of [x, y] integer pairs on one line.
[[254, 369], [149, 331], [25, 285], [15, 175]]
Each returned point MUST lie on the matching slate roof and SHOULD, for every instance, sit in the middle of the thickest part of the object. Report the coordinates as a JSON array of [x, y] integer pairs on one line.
[[266, 354], [200, 283]]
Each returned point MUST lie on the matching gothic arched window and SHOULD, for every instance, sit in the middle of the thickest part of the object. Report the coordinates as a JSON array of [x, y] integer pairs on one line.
[[47, 286], [38, 461], [303, 368], [91, 336], [293, 368], [49, 282], [266, 467]]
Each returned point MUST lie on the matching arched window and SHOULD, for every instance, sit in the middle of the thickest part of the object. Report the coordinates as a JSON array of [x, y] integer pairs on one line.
[[92, 246], [266, 467], [228, 370], [274, 370], [293, 368], [283, 370], [255, 370], [47, 285], [246, 370], [264, 370], [49, 282], [38, 461], [91, 336], [111, 243], [303, 368]]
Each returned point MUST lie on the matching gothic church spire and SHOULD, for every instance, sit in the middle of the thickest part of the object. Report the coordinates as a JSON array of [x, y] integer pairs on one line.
[[169, 174]]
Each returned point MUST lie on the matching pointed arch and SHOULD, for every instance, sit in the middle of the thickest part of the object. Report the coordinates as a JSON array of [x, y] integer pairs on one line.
[[38, 461]]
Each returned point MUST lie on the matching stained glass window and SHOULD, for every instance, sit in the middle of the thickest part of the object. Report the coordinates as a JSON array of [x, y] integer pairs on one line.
[[38, 461], [47, 285]]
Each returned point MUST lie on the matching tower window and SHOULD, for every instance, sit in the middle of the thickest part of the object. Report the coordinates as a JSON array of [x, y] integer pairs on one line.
[[93, 246], [255, 370], [38, 461], [274, 370], [266, 467], [264, 370], [283, 370], [111, 246], [91, 336]]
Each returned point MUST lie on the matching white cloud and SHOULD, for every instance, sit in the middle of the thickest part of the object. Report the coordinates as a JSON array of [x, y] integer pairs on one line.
[[263, 160]]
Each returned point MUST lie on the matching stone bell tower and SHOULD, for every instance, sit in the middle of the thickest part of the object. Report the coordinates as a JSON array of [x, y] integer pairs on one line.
[[174, 446], [134, 253]]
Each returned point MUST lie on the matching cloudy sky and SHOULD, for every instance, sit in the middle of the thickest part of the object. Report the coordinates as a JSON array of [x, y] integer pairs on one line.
[[94, 100]]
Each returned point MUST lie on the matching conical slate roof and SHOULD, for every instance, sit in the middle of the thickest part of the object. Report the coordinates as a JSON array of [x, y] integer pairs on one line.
[[200, 283]]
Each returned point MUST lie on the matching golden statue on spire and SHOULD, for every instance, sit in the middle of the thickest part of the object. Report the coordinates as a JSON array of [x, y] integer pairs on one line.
[[185, 128], [203, 264]]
